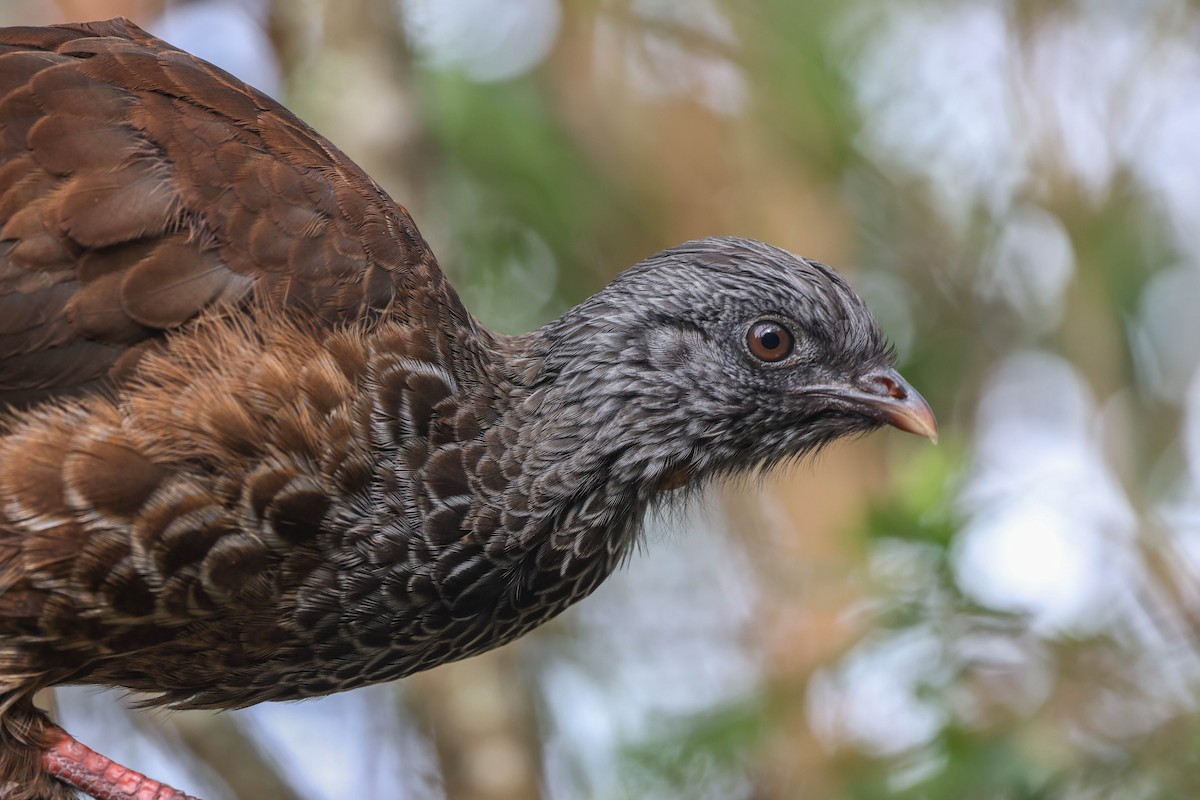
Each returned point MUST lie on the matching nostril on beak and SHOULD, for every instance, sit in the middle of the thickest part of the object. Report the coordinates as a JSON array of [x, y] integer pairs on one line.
[[889, 387], [889, 398]]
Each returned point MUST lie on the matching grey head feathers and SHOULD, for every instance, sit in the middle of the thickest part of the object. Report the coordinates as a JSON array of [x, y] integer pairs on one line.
[[657, 369]]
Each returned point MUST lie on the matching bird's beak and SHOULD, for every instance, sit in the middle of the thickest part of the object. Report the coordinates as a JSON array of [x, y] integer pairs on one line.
[[885, 395]]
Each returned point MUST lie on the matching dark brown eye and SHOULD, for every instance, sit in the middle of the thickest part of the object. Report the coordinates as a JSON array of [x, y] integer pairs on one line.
[[769, 341]]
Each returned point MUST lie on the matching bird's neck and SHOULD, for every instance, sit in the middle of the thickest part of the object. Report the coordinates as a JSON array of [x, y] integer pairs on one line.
[[606, 422]]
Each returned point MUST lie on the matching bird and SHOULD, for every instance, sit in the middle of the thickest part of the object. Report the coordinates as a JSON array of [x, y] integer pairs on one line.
[[255, 448]]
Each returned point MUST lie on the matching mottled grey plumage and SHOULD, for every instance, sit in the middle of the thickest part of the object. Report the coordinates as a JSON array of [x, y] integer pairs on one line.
[[310, 476]]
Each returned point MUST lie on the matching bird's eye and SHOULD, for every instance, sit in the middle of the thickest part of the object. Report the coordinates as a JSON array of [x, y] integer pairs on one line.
[[769, 341]]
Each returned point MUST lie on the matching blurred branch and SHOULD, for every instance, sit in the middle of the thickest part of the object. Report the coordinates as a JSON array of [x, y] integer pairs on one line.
[[481, 720]]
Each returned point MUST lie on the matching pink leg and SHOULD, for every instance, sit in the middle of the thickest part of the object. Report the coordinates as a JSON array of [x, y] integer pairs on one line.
[[104, 779]]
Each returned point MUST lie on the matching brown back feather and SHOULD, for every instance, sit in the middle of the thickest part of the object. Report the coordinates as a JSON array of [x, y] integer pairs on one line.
[[141, 186]]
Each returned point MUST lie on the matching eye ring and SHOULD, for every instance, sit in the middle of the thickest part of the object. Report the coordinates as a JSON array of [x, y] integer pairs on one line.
[[770, 341]]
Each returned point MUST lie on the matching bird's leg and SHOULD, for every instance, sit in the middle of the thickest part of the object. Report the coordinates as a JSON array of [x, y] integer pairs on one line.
[[79, 766]]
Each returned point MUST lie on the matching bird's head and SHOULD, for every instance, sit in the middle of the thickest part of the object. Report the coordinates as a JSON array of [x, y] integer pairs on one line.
[[719, 356]]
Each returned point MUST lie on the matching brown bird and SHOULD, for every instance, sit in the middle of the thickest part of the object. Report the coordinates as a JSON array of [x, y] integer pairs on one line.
[[255, 447]]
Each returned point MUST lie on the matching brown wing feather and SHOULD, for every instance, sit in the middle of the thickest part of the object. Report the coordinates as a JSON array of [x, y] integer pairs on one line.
[[141, 186]]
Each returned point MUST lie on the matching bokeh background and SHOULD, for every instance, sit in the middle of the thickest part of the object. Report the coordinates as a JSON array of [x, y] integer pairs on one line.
[[1014, 186]]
